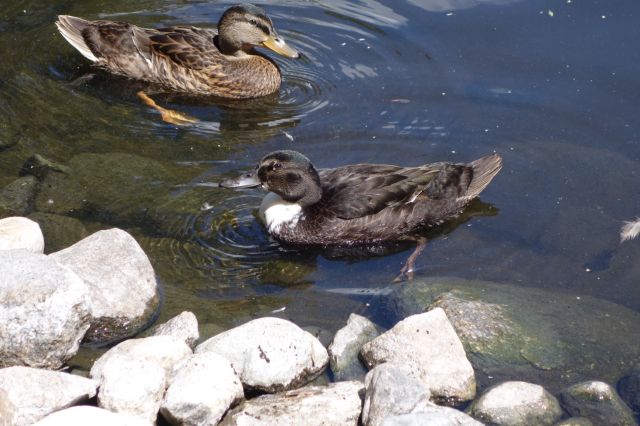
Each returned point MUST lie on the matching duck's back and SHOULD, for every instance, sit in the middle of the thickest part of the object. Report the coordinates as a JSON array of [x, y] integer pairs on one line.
[[371, 202]]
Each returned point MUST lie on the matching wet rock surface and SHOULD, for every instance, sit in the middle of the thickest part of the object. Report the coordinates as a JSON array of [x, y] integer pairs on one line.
[[598, 402], [346, 345]]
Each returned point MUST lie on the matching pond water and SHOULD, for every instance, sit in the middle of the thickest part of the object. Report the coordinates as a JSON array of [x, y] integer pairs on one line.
[[550, 85]]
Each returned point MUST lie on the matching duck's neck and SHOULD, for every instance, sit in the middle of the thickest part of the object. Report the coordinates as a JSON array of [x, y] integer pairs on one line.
[[277, 213]]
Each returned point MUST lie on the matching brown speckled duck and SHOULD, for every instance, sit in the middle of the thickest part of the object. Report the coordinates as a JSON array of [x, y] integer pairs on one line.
[[361, 203], [190, 60]]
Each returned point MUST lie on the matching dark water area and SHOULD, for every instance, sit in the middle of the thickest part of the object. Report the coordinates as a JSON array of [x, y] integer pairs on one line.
[[551, 86]]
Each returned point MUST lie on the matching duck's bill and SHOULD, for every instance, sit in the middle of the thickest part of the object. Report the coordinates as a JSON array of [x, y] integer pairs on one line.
[[279, 46], [247, 180]]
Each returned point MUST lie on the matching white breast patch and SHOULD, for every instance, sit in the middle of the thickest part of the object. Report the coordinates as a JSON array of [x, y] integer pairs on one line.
[[276, 212]]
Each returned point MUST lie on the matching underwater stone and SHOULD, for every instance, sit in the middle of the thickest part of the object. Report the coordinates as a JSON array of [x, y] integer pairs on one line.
[[598, 402], [629, 388], [343, 351], [59, 231], [17, 197]]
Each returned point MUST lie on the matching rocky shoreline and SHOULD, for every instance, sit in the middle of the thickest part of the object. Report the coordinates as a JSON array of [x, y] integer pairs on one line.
[[455, 338]]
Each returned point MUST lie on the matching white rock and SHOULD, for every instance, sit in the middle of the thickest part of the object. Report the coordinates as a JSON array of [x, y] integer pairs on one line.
[[270, 354], [132, 386], [121, 280], [336, 404], [44, 310], [516, 403], [166, 352], [428, 344], [183, 327], [343, 351], [21, 233], [34, 393], [390, 390], [90, 416], [434, 415], [202, 390], [7, 410]]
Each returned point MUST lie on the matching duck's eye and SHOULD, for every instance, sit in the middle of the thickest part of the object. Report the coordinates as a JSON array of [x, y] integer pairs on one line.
[[253, 22], [276, 166]]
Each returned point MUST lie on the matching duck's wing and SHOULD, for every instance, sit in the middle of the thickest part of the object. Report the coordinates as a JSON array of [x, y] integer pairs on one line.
[[365, 189], [188, 47]]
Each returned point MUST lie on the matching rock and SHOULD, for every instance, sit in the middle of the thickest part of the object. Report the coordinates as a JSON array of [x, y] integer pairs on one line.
[[123, 289], [343, 351], [516, 403], [270, 354], [575, 421], [44, 311], [429, 346], [433, 415], [598, 402], [114, 187], [336, 404], [629, 388], [165, 351], [7, 410], [34, 393], [183, 327], [20, 233], [17, 197], [132, 386], [202, 390], [59, 232], [39, 167], [538, 336], [88, 415], [391, 390]]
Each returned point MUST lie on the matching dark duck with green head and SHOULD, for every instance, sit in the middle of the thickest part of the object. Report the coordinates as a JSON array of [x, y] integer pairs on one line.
[[361, 203]]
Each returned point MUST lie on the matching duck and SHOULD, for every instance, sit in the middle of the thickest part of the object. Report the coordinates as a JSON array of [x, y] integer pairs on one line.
[[220, 62], [361, 204]]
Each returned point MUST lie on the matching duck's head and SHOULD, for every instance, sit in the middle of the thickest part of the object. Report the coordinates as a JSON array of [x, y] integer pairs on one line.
[[286, 173], [244, 26]]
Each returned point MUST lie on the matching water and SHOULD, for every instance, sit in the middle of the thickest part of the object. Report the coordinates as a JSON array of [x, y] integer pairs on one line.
[[552, 86]]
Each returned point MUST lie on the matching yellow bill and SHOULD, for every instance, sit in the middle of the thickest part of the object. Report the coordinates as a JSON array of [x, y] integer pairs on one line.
[[279, 46]]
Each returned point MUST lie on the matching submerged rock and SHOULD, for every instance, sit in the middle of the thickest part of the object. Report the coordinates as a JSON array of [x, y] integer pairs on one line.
[[428, 345], [336, 404], [183, 327], [391, 390], [203, 389], [270, 354], [346, 344], [17, 197], [598, 402], [21, 233], [123, 290], [516, 403], [629, 388], [516, 333], [44, 313], [34, 393], [433, 415], [59, 232], [88, 415], [40, 166]]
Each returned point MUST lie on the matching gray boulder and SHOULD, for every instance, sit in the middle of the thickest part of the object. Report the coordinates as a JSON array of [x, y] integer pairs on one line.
[[516, 403], [88, 415], [336, 404], [201, 392], [270, 354], [123, 289], [429, 346], [44, 313], [34, 393], [533, 335], [391, 390], [183, 327], [21, 233], [433, 415], [346, 344], [598, 402]]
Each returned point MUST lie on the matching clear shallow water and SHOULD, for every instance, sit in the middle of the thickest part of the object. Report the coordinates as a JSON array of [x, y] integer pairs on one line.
[[552, 86]]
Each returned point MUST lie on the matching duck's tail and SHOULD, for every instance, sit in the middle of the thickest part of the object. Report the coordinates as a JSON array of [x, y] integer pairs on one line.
[[71, 29], [484, 170]]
